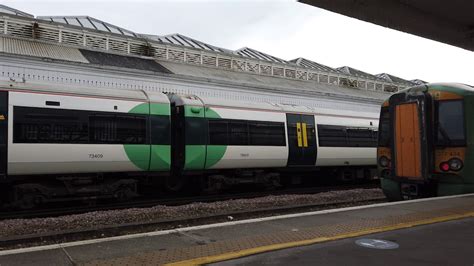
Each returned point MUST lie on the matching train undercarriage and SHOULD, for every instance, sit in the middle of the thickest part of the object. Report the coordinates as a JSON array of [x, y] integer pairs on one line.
[[26, 192]]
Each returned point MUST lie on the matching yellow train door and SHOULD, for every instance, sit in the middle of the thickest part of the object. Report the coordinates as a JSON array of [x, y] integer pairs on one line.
[[407, 141]]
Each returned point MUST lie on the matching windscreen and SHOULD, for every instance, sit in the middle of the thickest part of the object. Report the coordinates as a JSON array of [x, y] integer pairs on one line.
[[450, 123]]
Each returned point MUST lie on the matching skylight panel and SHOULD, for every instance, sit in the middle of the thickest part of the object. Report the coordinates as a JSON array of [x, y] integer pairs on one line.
[[100, 26], [114, 30], [86, 23], [59, 20], [73, 21]]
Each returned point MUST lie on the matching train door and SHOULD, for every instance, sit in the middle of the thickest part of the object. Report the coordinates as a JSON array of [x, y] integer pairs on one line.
[[301, 140], [407, 141], [3, 133]]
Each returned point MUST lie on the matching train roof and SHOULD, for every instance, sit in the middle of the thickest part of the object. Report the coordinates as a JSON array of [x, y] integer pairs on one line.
[[264, 106], [460, 86], [125, 94]]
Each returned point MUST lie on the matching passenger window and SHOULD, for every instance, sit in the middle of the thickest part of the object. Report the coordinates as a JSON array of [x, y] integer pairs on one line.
[[47, 125], [238, 133], [218, 132], [267, 133]]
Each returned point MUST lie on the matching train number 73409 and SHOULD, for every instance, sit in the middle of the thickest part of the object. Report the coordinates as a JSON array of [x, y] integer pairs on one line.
[[96, 156]]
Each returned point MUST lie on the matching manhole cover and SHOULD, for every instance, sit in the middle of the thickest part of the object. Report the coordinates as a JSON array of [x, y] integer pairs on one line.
[[376, 243]]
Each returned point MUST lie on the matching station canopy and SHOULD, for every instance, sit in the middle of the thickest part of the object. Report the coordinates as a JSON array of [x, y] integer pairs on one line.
[[358, 73], [418, 81], [303, 62], [178, 39], [392, 78], [451, 22], [8, 10], [92, 24], [251, 53], [89, 23]]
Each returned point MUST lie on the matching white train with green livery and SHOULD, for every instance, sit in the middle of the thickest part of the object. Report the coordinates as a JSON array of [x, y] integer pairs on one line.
[[63, 142]]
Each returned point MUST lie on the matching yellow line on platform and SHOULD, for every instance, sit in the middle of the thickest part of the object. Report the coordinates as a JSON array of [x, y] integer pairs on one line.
[[253, 251]]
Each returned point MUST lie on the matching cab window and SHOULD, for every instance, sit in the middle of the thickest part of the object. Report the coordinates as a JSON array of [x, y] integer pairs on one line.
[[449, 125], [384, 128]]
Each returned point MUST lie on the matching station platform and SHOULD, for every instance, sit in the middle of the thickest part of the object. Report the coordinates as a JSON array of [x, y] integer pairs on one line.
[[428, 231]]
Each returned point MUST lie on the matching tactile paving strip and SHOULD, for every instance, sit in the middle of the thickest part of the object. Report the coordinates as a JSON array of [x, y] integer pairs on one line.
[[346, 227]]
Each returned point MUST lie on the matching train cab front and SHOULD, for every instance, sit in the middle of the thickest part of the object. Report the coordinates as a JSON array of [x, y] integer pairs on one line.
[[421, 142]]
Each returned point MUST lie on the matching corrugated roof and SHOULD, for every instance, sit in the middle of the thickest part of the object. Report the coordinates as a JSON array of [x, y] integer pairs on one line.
[[12, 11], [251, 53], [178, 39], [89, 23], [392, 78], [38, 49], [303, 62]]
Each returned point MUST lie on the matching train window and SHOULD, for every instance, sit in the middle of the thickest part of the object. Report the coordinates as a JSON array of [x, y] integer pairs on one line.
[[384, 128], [340, 136], [160, 129], [238, 132], [243, 133], [450, 123], [102, 129], [43, 125], [218, 132], [332, 136], [131, 129], [267, 133], [117, 129], [361, 137], [195, 130]]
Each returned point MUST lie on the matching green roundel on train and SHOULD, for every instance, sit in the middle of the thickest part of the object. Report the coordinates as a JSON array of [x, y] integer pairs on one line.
[[139, 155], [151, 108], [214, 152], [201, 156], [150, 157]]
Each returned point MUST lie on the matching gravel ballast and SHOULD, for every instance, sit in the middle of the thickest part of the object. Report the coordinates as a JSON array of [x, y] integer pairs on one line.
[[85, 221]]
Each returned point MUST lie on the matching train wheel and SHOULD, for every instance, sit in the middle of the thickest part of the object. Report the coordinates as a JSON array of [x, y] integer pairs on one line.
[[175, 183], [124, 194], [30, 201]]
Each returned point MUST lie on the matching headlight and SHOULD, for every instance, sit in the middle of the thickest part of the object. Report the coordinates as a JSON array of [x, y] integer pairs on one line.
[[384, 161], [455, 164]]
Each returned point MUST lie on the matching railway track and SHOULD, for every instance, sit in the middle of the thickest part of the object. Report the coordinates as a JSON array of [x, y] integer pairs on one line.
[[139, 227], [174, 201]]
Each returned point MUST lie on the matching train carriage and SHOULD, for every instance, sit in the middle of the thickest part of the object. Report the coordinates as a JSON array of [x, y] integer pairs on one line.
[[59, 141], [270, 138], [79, 142], [424, 144]]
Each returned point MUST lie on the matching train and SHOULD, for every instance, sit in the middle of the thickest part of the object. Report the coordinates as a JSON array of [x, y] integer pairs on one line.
[[63, 142], [425, 147]]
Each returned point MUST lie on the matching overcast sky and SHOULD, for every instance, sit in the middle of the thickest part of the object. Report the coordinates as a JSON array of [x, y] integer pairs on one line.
[[282, 28]]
